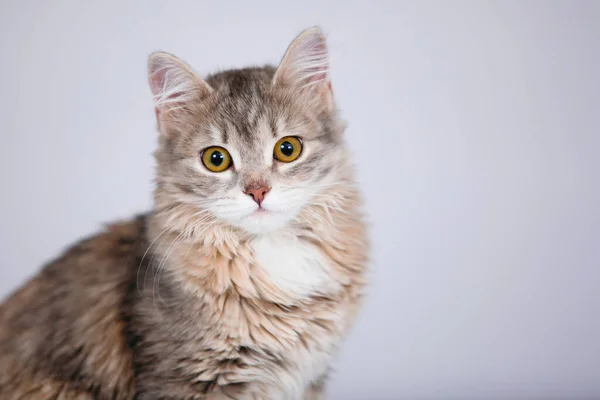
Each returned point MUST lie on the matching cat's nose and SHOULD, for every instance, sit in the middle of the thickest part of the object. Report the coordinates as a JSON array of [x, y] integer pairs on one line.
[[257, 194]]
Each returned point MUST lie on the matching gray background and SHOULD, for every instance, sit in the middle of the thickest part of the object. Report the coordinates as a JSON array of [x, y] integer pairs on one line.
[[475, 127]]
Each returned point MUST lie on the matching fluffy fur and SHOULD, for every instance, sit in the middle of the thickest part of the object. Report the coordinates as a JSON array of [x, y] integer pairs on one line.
[[208, 297]]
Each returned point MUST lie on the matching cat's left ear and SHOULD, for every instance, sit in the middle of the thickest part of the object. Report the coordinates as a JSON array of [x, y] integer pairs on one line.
[[173, 83], [305, 66]]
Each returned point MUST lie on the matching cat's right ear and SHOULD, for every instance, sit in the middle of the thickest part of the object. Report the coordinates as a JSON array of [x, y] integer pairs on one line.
[[173, 84], [305, 67]]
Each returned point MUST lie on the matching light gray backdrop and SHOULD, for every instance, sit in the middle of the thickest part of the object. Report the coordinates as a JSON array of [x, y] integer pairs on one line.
[[475, 127]]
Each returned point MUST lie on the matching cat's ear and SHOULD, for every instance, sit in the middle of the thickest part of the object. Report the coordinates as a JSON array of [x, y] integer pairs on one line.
[[173, 82], [305, 66]]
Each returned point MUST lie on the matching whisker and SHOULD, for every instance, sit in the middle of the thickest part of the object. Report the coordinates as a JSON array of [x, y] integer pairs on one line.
[[177, 240], [137, 275]]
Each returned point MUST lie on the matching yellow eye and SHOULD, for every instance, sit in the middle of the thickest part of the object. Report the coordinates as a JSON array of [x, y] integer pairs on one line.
[[288, 149], [216, 159]]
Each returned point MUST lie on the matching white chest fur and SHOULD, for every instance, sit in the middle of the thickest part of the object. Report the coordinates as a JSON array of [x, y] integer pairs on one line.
[[296, 267], [300, 269]]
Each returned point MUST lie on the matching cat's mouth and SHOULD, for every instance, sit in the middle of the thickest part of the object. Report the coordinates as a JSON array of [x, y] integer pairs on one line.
[[261, 220], [261, 211]]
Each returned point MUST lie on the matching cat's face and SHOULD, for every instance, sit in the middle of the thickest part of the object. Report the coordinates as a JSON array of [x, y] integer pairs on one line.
[[248, 147]]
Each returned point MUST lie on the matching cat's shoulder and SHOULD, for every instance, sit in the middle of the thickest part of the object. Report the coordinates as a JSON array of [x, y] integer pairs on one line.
[[71, 314], [98, 260]]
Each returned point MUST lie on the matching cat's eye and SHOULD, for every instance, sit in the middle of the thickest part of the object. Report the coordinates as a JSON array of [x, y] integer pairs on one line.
[[288, 149], [216, 159]]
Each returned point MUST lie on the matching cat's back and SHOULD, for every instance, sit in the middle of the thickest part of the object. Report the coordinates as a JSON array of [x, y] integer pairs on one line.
[[61, 334]]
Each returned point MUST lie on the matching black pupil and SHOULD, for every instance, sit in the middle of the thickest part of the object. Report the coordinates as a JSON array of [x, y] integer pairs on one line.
[[216, 158], [287, 149]]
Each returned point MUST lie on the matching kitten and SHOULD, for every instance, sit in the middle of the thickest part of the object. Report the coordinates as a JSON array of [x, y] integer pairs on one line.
[[242, 280]]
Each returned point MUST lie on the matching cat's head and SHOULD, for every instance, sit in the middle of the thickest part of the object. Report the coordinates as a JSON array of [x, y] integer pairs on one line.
[[250, 147]]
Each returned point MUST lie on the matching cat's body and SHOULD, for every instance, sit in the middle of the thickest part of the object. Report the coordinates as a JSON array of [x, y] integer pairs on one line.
[[209, 296]]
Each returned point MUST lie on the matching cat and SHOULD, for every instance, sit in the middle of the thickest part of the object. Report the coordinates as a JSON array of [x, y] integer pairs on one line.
[[241, 281]]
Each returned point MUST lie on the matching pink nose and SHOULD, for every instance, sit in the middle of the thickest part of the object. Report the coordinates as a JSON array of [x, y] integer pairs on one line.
[[258, 194]]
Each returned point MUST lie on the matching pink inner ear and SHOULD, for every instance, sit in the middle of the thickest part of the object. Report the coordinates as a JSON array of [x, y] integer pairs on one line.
[[157, 79], [316, 59], [306, 61], [158, 85]]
